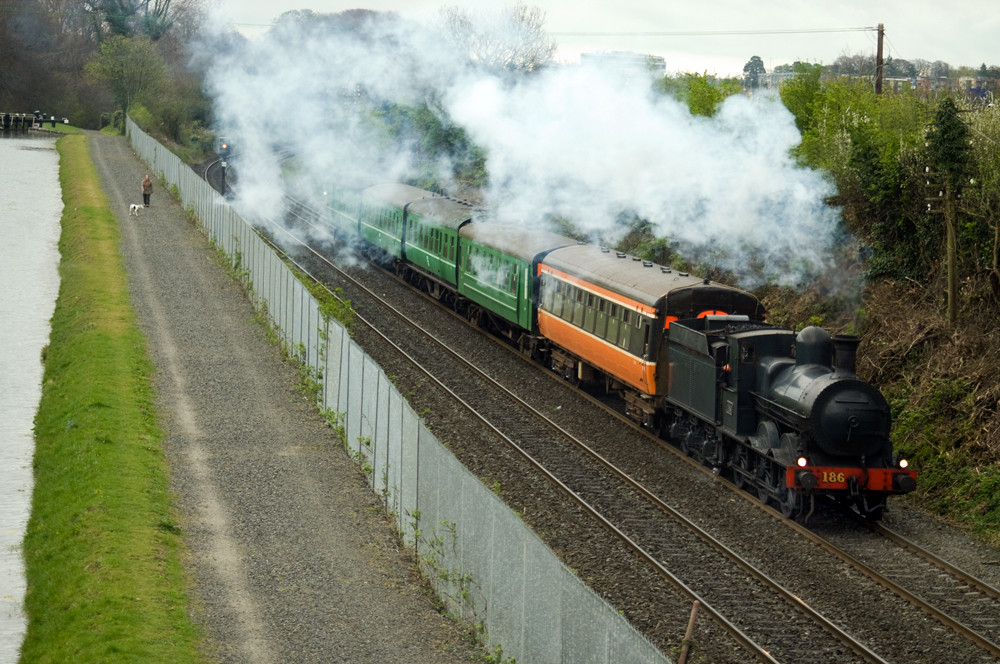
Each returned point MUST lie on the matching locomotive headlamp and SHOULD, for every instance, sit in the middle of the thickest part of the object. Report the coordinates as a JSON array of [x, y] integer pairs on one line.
[[803, 462], [903, 463]]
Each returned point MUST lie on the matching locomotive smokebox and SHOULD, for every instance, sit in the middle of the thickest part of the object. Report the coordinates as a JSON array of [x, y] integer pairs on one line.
[[845, 354]]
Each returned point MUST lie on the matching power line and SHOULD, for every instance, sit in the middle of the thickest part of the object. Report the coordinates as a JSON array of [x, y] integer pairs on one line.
[[710, 33]]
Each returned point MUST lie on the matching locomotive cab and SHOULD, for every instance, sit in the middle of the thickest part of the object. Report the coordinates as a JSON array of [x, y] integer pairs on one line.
[[718, 355]]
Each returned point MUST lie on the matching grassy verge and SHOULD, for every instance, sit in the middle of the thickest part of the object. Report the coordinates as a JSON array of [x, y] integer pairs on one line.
[[103, 556]]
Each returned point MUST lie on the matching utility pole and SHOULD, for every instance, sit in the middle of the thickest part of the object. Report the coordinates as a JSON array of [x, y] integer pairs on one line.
[[944, 204], [878, 60], [951, 251]]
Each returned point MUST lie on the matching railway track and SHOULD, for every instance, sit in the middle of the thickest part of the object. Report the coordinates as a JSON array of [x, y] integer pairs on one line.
[[667, 541], [724, 583], [953, 597]]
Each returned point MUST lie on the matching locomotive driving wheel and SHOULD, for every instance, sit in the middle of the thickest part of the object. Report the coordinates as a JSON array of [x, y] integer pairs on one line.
[[789, 500], [764, 480], [742, 470]]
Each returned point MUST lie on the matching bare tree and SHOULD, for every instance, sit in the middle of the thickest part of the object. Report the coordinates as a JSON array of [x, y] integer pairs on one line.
[[923, 67], [899, 68], [858, 64], [131, 18], [509, 40], [940, 69]]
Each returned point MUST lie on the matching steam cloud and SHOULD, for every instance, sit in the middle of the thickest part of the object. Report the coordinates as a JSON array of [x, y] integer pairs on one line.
[[572, 142]]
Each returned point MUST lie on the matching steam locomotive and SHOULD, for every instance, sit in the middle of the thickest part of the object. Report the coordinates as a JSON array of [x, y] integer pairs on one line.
[[783, 414]]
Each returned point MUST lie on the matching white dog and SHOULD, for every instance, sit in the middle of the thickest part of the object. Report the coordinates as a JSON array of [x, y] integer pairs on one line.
[[133, 209]]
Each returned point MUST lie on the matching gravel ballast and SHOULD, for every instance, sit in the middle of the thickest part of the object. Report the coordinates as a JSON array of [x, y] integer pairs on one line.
[[289, 555]]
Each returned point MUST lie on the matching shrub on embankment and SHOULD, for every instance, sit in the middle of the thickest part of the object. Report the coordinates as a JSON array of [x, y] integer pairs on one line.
[[102, 553]]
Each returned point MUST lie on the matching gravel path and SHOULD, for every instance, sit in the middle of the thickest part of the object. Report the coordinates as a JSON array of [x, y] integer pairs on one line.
[[289, 556]]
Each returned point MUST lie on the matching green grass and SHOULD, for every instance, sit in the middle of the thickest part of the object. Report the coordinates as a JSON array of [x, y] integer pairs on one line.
[[930, 428], [102, 552]]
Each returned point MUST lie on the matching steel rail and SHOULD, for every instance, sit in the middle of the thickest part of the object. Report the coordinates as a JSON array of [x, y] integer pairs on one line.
[[937, 561]]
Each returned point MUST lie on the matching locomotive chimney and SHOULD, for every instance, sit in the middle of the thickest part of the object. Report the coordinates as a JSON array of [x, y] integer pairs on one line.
[[845, 353]]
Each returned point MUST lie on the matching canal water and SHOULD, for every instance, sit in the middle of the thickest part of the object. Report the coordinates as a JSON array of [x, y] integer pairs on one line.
[[30, 210]]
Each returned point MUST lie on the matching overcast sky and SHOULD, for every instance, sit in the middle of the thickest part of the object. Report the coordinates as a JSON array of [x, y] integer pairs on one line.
[[959, 32]]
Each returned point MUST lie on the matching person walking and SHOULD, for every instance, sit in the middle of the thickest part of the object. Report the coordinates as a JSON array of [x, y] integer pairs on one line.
[[147, 189]]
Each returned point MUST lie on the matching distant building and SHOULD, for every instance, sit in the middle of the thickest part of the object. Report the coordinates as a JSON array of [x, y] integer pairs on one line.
[[628, 63]]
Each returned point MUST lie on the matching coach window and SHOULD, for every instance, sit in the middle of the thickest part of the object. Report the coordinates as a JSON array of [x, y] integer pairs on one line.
[[635, 339], [590, 313], [567, 300], [613, 324], [556, 306], [578, 307], [601, 318], [547, 292], [569, 296]]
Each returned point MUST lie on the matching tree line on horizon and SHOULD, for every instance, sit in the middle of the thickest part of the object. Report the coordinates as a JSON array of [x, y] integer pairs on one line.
[[133, 57]]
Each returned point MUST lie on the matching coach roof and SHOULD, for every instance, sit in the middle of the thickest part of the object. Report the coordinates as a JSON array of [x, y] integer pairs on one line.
[[446, 212], [396, 195], [514, 240], [642, 281]]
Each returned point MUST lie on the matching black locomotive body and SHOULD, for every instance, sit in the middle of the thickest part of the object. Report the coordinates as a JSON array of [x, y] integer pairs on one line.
[[784, 412]]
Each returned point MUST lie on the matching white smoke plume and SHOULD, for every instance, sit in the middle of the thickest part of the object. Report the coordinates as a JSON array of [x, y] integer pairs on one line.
[[572, 142]]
